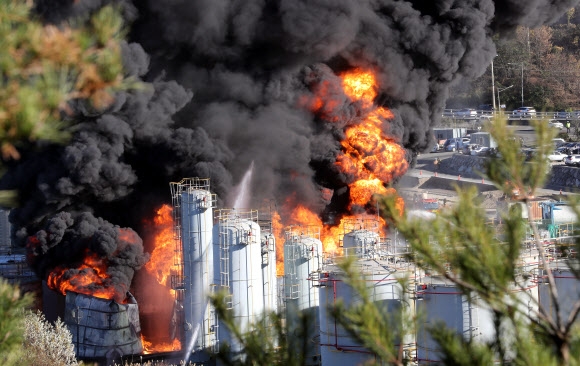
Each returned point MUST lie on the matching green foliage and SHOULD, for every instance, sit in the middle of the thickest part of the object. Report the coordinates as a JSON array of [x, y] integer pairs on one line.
[[12, 305], [44, 67]]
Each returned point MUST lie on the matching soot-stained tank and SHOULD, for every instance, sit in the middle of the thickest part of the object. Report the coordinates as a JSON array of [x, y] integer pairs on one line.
[[103, 329]]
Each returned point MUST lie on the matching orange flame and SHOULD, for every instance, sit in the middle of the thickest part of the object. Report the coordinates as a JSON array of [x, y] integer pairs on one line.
[[164, 262], [90, 278], [164, 255], [370, 158], [149, 347], [277, 228]]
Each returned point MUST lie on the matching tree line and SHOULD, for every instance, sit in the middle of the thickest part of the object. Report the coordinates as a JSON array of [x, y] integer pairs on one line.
[[543, 62]]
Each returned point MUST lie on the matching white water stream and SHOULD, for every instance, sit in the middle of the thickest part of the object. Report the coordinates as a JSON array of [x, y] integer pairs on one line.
[[242, 190]]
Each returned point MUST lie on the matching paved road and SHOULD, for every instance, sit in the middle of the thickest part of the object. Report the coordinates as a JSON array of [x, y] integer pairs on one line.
[[424, 169], [420, 173]]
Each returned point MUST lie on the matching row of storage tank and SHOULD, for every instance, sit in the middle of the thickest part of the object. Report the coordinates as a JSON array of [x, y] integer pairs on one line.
[[237, 254]]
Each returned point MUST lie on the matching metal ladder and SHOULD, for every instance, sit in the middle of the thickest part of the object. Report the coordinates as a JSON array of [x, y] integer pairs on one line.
[[213, 325], [225, 266], [292, 285]]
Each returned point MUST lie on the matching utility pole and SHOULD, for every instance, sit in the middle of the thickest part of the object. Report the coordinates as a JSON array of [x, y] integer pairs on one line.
[[492, 87], [523, 82]]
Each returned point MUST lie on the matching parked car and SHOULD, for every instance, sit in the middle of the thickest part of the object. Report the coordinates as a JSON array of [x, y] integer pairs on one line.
[[480, 151], [466, 113], [467, 149], [570, 148], [558, 141], [567, 145], [557, 156], [453, 144], [572, 160], [485, 112], [524, 112], [556, 124], [485, 117], [450, 146]]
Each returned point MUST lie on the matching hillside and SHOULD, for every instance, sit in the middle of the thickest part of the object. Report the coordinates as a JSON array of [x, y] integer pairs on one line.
[[543, 62]]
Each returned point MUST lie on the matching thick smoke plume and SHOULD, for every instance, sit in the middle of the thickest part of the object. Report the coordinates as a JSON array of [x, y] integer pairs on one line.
[[229, 83]]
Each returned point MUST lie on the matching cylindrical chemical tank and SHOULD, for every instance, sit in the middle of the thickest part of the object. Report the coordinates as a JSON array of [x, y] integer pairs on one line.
[[361, 233], [441, 302], [526, 294], [103, 329], [337, 346], [364, 243], [193, 228], [302, 264], [568, 293], [238, 260]]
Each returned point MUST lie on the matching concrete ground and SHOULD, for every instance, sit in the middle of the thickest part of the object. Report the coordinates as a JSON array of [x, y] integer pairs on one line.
[[426, 180]]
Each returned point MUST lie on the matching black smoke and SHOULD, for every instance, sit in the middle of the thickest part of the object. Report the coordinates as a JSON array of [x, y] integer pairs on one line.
[[226, 84]]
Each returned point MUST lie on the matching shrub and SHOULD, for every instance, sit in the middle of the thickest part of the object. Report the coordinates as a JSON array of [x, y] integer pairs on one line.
[[47, 344]]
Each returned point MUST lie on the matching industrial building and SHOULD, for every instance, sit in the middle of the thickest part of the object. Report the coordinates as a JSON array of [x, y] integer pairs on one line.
[[234, 250]]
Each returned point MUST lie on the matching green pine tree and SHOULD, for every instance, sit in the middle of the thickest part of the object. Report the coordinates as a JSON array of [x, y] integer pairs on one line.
[[45, 67]]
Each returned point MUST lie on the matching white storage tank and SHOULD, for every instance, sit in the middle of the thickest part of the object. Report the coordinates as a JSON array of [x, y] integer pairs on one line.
[[568, 291], [103, 329], [302, 264], [193, 227], [238, 269], [365, 241], [337, 346], [361, 241], [440, 301]]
